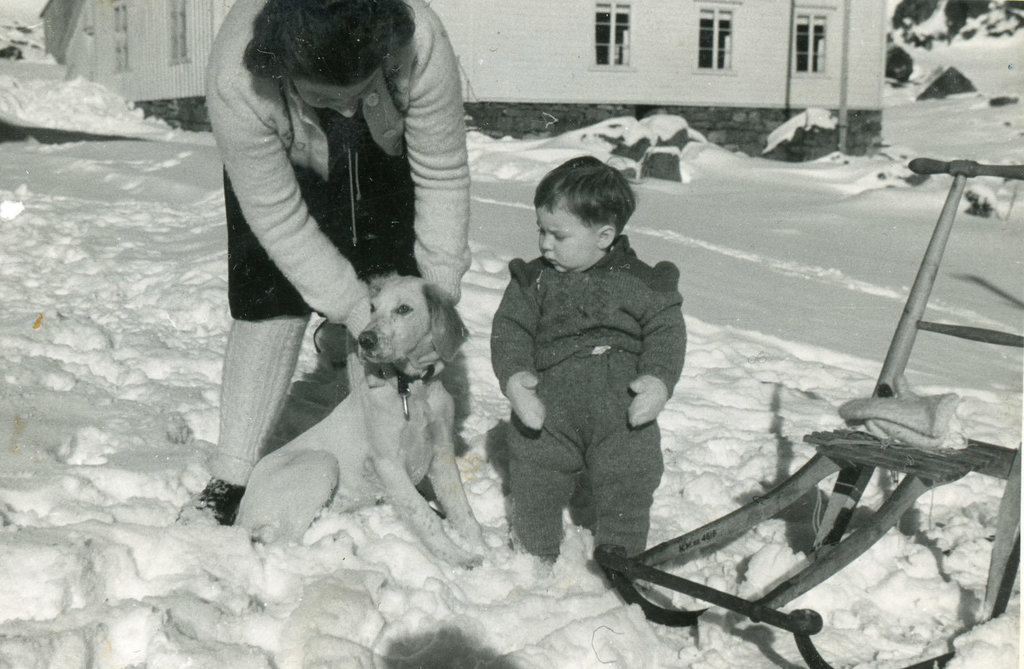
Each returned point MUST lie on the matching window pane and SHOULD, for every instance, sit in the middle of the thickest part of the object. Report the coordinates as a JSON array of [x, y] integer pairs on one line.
[[714, 39], [611, 34], [809, 43], [819, 46], [707, 34]]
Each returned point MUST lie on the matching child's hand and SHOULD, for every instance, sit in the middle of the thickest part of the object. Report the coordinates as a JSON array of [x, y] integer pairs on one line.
[[651, 395], [521, 391]]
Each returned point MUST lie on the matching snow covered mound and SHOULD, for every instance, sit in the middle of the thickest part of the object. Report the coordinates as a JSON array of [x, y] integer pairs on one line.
[[21, 41], [923, 22], [630, 145], [805, 121], [77, 104]]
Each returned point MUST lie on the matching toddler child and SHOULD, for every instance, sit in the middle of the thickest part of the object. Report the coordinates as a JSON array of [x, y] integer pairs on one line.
[[587, 344]]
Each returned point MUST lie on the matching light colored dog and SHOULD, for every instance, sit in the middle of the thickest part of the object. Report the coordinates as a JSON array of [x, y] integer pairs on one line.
[[394, 428]]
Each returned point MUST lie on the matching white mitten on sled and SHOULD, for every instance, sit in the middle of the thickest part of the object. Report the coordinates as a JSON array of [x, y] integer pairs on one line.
[[922, 421]]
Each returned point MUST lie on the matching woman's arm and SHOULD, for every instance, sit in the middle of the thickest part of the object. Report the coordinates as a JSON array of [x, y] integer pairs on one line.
[[247, 115], [435, 136]]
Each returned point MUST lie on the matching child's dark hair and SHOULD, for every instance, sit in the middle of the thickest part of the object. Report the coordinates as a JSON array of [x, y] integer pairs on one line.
[[592, 191], [341, 42]]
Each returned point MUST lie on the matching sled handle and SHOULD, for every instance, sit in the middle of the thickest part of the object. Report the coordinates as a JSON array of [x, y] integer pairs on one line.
[[967, 168]]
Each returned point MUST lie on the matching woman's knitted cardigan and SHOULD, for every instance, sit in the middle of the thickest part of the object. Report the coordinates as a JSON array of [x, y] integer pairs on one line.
[[262, 128]]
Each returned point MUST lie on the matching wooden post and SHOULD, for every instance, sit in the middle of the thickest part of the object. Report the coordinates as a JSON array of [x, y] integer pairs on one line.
[[906, 331], [1006, 549], [844, 79], [852, 480]]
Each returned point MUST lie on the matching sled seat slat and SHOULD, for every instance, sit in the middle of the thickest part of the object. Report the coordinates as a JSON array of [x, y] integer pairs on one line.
[[852, 447]]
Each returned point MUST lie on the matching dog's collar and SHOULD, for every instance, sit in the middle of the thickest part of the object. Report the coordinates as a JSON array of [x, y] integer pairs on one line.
[[405, 381]]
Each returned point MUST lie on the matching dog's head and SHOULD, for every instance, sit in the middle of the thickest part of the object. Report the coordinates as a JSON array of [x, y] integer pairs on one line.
[[410, 317]]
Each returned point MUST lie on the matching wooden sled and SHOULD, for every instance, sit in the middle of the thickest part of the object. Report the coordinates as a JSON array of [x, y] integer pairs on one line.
[[854, 456]]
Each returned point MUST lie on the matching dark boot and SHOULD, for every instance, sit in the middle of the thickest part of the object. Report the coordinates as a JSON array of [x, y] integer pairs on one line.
[[221, 499]]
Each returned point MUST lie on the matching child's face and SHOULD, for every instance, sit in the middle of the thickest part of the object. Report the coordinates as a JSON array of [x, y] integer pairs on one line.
[[567, 243]]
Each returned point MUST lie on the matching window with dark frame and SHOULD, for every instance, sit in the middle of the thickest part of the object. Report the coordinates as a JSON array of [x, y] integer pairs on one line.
[[611, 33], [120, 35], [714, 42], [809, 43], [179, 31]]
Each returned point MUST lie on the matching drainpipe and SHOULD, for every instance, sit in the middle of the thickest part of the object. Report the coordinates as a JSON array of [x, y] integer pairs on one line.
[[789, 58], [844, 78]]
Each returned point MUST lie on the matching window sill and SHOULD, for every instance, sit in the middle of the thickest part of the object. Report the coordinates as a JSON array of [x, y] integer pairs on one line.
[[707, 72], [612, 68]]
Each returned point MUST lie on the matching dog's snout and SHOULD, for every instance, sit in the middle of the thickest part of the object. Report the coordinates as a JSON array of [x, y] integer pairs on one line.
[[368, 340]]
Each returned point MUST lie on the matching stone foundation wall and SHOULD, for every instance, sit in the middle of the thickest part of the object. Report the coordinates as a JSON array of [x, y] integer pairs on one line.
[[743, 129], [183, 113]]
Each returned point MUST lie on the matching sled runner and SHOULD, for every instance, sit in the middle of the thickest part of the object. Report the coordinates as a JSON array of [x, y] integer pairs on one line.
[[854, 454]]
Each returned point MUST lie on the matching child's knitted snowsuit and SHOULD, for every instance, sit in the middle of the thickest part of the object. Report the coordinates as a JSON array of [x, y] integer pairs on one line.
[[586, 336]]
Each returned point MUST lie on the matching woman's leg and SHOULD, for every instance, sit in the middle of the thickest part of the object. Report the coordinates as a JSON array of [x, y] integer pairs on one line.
[[263, 346], [258, 368]]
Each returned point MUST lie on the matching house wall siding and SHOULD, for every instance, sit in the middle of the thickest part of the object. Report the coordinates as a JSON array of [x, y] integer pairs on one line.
[[663, 65], [528, 65], [150, 74], [539, 51]]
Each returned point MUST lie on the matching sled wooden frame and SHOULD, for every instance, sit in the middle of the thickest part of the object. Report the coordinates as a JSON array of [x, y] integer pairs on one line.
[[854, 456]]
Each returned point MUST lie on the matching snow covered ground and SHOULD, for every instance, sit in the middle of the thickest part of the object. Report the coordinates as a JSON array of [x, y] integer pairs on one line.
[[113, 264]]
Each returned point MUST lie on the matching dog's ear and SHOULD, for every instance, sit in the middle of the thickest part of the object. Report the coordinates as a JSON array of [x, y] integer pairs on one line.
[[446, 328]]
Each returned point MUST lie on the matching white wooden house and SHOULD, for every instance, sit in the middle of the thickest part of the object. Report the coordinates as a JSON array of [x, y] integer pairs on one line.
[[669, 52], [141, 49], [733, 68], [737, 68]]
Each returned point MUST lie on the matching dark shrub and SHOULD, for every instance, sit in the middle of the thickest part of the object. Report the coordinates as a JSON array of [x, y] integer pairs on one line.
[[11, 53], [898, 64], [913, 12]]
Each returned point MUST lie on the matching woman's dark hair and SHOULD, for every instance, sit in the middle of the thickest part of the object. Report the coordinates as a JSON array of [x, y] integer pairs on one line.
[[338, 41], [594, 192]]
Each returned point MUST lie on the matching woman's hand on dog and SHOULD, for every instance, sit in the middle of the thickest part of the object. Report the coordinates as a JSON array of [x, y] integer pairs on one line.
[[521, 391]]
